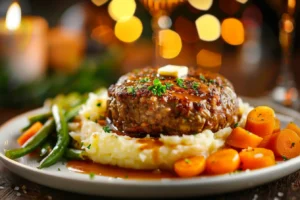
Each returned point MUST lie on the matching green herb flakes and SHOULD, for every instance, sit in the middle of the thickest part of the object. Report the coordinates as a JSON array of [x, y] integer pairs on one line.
[[106, 129], [187, 161], [157, 88], [131, 90], [89, 146], [144, 80], [169, 85], [284, 158], [195, 85], [92, 176], [202, 78], [180, 83], [236, 125], [98, 104]]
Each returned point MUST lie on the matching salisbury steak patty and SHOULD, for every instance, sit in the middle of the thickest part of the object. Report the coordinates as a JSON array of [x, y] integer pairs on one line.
[[142, 102]]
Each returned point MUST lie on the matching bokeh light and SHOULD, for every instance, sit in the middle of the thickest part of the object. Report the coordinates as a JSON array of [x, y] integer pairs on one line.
[[186, 29], [121, 10], [13, 16], [208, 27], [169, 43], [233, 31], [164, 22], [208, 58], [242, 1], [201, 4], [129, 30], [99, 2]]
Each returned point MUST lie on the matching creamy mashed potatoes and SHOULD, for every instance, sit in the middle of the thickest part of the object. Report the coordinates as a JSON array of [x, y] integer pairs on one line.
[[146, 153]]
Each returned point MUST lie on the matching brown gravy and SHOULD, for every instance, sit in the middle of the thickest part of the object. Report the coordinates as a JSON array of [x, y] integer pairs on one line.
[[117, 172]]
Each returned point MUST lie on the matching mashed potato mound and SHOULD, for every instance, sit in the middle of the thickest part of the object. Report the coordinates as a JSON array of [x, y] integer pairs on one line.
[[146, 153]]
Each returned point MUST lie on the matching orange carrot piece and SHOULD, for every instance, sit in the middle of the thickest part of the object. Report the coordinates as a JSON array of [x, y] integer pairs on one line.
[[223, 161], [256, 158], [265, 143], [277, 125], [292, 126], [260, 121], [29, 133], [241, 138], [190, 167], [285, 143]]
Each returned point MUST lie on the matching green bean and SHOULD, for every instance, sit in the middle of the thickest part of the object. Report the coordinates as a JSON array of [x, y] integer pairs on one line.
[[72, 112], [39, 138], [74, 154], [63, 138], [42, 117], [39, 117], [46, 148]]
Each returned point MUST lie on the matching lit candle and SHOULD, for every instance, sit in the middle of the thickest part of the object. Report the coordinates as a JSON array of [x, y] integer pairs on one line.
[[23, 45]]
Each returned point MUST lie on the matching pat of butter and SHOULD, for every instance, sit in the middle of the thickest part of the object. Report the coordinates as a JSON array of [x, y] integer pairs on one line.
[[173, 70]]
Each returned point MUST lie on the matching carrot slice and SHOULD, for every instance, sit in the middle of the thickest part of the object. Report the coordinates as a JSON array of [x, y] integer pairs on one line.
[[223, 161], [241, 138], [190, 167], [292, 126], [277, 125], [285, 143], [29, 133], [256, 158], [265, 143], [260, 121]]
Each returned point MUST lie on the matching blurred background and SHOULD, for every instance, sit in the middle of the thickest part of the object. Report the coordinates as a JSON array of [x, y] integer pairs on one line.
[[62, 46]]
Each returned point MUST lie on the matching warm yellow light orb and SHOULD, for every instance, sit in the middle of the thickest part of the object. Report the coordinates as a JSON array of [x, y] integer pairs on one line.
[[99, 2], [208, 27], [129, 30], [170, 44], [233, 31], [201, 4], [208, 58], [121, 9], [13, 16]]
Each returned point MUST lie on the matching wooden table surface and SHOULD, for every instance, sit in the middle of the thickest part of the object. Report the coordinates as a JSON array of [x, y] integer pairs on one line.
[[13, 187]]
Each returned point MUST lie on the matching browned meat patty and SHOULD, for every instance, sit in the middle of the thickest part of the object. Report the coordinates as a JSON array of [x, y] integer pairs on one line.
[[144, 103]]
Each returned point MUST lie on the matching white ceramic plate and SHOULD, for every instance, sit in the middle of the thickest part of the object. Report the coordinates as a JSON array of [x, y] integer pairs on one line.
[[105, 186]]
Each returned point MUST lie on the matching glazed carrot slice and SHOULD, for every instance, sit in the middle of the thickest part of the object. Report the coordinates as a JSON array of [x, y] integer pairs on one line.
[[256, 158], [292, 126], [265, 143], [276, 125], [190, 167], [241, 138], [29, 133], [285, 143], [222, 162], [260, 121]]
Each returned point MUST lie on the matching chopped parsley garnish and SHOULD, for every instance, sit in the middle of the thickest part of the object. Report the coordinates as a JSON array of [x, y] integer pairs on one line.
[[145, 80], [284, 158], [131, 90], [58, 169], [202, 78], [89, 146], [180, 82], [98, 104], [81, 144], [212, 81], [293, 144], [106, 129], [92, 175], [236, 125], [169, 85], [126, 176], [157, 88], [195, 85], [187, 161]]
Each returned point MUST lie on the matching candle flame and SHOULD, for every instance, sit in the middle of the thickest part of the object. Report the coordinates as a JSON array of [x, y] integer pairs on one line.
[[13, 16]]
